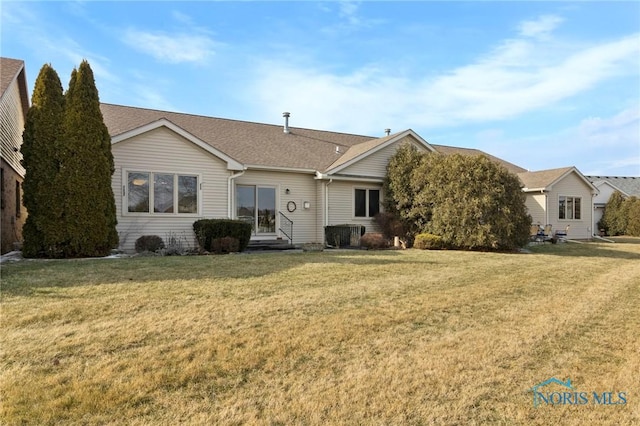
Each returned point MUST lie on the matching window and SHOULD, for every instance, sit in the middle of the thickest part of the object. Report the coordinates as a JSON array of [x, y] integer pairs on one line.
[[569, 207], [257, 205], [367, 202], [163, 191]]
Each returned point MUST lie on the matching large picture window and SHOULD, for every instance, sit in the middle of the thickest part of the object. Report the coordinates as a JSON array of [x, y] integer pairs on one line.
[[167, 193], [366, 202], [569, 207]]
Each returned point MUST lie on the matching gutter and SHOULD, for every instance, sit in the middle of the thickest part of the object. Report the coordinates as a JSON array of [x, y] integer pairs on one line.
[[229, 200], [322, 176]]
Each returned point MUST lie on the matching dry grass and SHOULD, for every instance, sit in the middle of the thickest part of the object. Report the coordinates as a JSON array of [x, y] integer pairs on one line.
[[321, 338]]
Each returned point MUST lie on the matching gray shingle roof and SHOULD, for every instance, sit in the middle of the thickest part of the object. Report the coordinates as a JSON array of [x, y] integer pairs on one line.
[[450, 150], [542, 179], [257, 144], [247, 142], [628, 184], [10, 69]]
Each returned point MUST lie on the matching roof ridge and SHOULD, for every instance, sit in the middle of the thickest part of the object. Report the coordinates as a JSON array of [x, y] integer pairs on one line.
[[237, 120]]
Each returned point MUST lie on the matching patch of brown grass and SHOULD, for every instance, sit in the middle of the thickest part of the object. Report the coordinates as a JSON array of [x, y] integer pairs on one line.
[[400, 337]]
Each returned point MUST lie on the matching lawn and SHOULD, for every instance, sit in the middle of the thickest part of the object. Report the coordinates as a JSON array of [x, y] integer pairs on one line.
[[386, 337]]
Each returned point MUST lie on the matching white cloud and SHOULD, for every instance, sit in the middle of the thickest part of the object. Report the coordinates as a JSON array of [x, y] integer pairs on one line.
[[349, 19], [517, 77], [171, 48], [541, 27], [596, 145]]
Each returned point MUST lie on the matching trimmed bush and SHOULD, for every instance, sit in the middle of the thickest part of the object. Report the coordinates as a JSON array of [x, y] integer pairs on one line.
[[151, 243], [207, 230], [428, 242], [374, 241], [225, 245]]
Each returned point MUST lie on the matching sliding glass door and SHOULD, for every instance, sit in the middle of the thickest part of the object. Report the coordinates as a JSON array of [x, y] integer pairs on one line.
[[257, 206]]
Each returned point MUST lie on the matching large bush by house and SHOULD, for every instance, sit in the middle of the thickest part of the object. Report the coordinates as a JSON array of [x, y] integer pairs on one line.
[[41, 147], [621, 216], [398, 218], [470, 202], [209, 230]]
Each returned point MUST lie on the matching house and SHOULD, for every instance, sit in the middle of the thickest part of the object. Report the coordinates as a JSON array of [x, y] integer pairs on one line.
[[561, 197], [14, 104], [628, 186], [174, 168]]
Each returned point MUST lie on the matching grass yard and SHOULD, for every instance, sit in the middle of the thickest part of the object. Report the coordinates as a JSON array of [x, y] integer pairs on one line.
[[389, 337]]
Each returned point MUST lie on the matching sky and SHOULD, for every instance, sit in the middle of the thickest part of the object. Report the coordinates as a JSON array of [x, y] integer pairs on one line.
[[540, 84]]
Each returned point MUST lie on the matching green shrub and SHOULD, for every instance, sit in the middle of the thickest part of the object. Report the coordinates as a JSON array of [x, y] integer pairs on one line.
[[151, 243], [428, 242], [470, 201], [225, 245], [374, 241], [207, 230]]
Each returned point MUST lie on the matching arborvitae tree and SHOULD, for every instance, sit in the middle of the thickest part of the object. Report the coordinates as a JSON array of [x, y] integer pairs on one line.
[[87, 165], [614, 220], [41, 145], [469, 201]]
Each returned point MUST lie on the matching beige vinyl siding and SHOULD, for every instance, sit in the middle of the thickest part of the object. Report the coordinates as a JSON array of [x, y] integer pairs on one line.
[[572, 186], [302, 187], [162, 150], [536, 207], [375, 165], [12, 124], [601, 198], [341, 204]]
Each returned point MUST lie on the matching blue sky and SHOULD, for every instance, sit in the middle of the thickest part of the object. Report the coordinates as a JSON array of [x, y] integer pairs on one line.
[[541, 84]]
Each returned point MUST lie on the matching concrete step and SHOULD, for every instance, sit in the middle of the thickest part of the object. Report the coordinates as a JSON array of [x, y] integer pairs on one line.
[[270, 245]]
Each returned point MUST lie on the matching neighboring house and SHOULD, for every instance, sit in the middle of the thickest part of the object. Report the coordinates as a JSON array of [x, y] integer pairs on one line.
[[14, 104], [561, 197], [627, 185]]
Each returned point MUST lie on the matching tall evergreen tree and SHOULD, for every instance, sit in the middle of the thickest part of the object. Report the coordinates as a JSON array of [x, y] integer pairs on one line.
[[42, 136], [87, 165]]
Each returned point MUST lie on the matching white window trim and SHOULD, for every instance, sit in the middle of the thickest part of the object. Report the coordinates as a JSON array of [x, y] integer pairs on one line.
[[574, 208], [125, 193], [353, 201]]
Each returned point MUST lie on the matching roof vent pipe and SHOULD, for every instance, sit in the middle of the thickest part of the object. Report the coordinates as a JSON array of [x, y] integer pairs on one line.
[[387, 132], [286, 122]]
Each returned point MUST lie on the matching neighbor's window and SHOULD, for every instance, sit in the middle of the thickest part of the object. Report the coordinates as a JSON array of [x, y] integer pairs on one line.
[[367, 202], [569, 207], [163, 191]]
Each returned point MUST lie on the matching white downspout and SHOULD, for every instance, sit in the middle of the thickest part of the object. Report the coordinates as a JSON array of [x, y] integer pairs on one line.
[[229, 192], [593, 217], [546, 209], [326, 202]]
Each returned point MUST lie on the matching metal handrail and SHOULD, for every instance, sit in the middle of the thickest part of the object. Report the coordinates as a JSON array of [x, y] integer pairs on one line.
[[286, 227]]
